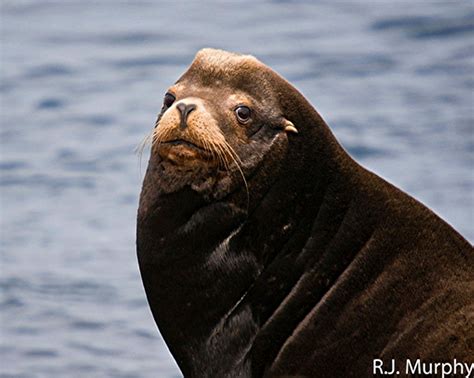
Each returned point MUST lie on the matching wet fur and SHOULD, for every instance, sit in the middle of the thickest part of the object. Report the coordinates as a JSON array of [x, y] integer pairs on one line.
[[322, 268]]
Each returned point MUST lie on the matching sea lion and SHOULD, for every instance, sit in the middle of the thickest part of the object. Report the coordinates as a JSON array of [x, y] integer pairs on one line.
[[266, 250]]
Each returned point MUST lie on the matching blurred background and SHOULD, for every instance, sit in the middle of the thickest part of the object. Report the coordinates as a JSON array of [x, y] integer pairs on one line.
[[81, 85]]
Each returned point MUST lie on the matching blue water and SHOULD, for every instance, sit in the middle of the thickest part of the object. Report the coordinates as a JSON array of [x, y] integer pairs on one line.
[[81, 84]]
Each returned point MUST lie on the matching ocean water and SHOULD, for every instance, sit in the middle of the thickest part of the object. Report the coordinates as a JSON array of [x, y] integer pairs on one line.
[[81, 85]]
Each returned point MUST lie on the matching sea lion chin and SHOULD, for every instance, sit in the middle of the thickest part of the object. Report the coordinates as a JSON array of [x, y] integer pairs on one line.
[[266, 250]]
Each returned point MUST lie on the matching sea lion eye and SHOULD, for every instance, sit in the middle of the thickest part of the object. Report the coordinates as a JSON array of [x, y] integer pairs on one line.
[[242, 113], [168, 100]]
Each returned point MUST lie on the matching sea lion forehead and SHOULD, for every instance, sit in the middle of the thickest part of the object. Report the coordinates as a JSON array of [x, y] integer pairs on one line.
[[224, 63], [212, 67]]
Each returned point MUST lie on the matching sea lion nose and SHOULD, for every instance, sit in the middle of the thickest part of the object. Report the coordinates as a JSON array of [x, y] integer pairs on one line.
[[184, 109]]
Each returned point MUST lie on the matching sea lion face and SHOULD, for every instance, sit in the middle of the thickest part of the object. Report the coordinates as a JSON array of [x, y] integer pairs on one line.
[[217, 123]]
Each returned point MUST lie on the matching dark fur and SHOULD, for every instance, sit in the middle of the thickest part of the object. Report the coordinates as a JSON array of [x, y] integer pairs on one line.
[[328, 267]]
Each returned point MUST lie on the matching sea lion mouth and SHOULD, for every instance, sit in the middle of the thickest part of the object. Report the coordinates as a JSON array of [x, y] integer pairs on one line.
[[183, 142], [183, 152]]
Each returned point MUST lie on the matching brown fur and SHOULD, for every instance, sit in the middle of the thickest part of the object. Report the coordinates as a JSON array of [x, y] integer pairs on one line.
[[309, 265]]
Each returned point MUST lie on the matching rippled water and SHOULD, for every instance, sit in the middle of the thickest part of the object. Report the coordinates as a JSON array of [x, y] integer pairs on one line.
[[81, 84]]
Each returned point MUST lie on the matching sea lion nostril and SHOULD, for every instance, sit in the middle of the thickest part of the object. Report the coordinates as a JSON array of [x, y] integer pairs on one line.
[[181, 107], [185, 109]]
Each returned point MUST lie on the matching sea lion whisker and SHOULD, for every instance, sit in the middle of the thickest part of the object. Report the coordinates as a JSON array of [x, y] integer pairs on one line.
[[207, 145], [220, 160], [223, 155], [217, 150], [143, 143], [162, 135], [141, 147], [236, 160], [233, 153], [227, 156]]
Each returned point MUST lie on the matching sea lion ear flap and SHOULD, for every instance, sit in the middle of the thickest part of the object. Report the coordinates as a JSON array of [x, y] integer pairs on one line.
[[289, 127]]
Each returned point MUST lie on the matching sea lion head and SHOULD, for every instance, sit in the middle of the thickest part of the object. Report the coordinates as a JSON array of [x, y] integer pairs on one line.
[[218, 122]]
